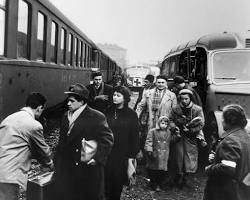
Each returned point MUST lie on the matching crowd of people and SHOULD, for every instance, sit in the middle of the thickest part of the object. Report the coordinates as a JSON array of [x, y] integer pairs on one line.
[[101, 138]]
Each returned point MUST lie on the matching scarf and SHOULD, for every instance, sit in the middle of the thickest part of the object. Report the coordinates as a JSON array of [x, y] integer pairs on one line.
[[157, 98], [72, 116]]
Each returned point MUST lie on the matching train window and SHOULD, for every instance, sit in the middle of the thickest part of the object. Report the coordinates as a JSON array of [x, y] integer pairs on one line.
[[80, 54], [70, 48], [53, 42], [2, 25], [63, 46], [86, 55], [2, 2], [83, 55], [40, 47], [23, 29], [76, 51]]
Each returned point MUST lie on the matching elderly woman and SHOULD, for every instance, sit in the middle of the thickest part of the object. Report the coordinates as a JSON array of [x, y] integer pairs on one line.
[[229, 173], [123, 122], [189, 118]]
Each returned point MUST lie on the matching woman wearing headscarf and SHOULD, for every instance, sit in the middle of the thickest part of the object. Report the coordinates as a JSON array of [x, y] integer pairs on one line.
[[123, 122], [189, 118]]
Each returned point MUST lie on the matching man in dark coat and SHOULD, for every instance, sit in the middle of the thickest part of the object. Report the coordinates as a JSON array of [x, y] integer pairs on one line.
[[78, 178], [229, 173], [100, 94]]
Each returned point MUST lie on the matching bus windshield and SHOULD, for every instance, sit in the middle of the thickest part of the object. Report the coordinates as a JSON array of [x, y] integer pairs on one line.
[[231, 67]]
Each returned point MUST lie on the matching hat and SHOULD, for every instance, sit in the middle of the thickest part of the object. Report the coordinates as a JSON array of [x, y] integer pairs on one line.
[[79, 90], [150, 78], [186, 91], [179, 80]]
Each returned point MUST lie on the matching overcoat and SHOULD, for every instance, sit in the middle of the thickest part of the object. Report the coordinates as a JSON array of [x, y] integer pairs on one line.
[[124, 125], [158, 142], [99, 104], [167, 103], [186, 150], [228, 176], [75, 179]]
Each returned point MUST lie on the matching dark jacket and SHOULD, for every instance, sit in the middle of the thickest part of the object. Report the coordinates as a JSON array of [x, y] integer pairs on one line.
[[124, 125], [231, 165], [75, 179], [98, 104]]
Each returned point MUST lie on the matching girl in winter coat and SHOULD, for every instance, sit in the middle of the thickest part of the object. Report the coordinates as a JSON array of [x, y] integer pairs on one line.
[[157, 148]]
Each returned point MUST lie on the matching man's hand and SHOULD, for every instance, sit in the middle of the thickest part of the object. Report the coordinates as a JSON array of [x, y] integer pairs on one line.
[[102, 97]]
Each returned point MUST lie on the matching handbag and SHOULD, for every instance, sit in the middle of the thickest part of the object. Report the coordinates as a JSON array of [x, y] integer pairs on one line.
[[88, 150]]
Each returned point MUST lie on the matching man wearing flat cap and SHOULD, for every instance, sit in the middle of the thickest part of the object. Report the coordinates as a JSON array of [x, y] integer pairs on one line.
[[158, 101], [84, 144]]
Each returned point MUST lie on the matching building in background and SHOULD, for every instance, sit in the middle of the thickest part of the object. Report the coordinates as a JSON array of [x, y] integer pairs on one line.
[[117, 53]]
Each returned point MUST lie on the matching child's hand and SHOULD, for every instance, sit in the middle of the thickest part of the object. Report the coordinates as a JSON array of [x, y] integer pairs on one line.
[[177, 130]]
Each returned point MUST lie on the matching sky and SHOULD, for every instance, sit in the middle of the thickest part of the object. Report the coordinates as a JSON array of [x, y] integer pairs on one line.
[[148, 29]]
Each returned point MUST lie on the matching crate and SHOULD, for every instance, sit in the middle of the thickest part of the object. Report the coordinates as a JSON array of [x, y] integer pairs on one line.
[[41, 187]]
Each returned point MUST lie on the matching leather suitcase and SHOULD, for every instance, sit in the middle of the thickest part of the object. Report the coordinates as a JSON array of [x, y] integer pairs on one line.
[[41, 187]]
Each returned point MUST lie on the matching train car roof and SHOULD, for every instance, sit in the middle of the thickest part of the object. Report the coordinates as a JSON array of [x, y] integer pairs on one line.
[[61, 16], [212, 42]]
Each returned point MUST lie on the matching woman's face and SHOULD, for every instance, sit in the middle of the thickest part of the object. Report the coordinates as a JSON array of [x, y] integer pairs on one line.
[[185, 99], [118, 98]]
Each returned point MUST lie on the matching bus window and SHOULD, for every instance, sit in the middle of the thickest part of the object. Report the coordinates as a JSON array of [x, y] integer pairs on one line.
[[22, 35], [2, 25], [40, 47], [53, 42], [183, 64], [63, 46]]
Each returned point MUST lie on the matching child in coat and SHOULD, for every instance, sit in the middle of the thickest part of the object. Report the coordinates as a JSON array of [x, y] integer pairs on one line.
[[157, 148]]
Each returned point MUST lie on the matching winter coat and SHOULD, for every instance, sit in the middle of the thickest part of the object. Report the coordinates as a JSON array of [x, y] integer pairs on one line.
[[167, 103], [229, 174], [124, 125], [186, 150], [98, 104], [158, 142], [74, 178]]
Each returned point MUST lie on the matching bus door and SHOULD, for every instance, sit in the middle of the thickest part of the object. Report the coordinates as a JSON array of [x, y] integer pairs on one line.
[[198, 72]]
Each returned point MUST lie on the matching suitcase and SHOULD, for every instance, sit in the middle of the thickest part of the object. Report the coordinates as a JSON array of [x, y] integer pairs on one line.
[[41, 187]]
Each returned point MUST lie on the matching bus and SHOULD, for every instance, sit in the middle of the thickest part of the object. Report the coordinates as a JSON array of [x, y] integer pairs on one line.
[[136, 74], [218, 67]]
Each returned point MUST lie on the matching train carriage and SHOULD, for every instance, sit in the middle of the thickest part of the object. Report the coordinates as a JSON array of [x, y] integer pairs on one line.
[[41, 50]]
